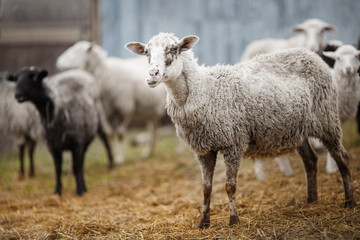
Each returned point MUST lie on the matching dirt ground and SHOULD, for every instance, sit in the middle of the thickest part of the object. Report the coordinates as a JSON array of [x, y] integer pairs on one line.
[[160, 198]]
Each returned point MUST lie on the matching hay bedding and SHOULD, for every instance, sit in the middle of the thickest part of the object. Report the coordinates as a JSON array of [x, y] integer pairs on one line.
[[160, 199]]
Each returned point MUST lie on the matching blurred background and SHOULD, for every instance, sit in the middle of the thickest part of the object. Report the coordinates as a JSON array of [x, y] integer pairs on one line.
[[36, 32]]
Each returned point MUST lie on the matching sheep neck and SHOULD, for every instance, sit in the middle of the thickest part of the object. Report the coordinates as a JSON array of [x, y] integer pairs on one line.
[[45, 106], [178, 89]]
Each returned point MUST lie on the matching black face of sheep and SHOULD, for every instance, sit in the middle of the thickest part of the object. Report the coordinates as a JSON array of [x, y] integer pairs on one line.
[[28, 86]]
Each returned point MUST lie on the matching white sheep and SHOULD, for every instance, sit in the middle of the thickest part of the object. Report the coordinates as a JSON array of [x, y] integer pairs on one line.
[[312, 38], [260, 108], [21, 122], [347, 78], [125, 97]]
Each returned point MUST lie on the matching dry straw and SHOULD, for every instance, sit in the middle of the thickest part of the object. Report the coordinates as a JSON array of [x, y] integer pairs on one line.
[[160, 199]]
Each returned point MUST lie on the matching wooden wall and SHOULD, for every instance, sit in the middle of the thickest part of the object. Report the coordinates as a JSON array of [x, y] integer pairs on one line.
[[35, 32]]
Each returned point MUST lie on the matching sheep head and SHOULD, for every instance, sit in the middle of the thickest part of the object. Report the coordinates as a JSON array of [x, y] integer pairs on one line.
[[28, 83], [346, 60], [163, 52], [314, 31]]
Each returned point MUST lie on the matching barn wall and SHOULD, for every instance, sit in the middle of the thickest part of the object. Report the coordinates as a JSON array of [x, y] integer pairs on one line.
[[35, 32], [225, 27]]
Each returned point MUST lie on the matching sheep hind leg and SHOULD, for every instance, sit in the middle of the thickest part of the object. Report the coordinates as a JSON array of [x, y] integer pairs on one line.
[[232, 163], [104, 138], [207, 165], [309, 159], [339, 154]]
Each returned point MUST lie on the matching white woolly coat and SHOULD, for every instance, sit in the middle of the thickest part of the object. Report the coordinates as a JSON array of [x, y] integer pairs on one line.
[[263, 107], [123, 89], [348, 95], [18, 120]]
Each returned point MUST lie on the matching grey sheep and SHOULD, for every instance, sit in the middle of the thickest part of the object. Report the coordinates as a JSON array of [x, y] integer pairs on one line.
[[265, 107]]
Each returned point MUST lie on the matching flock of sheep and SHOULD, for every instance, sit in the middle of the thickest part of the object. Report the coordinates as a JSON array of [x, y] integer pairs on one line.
[[265, 106]]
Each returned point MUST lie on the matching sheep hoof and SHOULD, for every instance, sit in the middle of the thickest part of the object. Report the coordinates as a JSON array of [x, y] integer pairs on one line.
[[234, 220], [350, 203], [204, 223]]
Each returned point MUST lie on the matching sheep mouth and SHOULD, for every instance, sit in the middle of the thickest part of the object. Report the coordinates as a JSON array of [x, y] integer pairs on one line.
[[152, 84], [21, 99]]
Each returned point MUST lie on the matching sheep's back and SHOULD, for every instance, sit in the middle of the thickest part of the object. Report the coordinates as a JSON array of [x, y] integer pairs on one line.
[[75, 114], [269, 104], [130, 94]]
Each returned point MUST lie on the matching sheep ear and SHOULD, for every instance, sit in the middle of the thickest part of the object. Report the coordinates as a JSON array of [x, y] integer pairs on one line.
[[297, 28], [188, 42], [330, 28], [10, 77], [42, 75], [90, 48], [136, 47], [331, 55]]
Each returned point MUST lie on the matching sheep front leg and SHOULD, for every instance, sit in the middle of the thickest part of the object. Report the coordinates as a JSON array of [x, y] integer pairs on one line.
[[207, 165], [78, 162], [32, 145], [120, 145], [57, 156], [232, 162], [21, 156], [151, 127]]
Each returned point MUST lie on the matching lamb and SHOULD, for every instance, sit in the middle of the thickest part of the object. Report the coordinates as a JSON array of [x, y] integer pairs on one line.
[[312, 38], [261, 108], [346, 76], [68, 113], [124, 96], [21, 122]]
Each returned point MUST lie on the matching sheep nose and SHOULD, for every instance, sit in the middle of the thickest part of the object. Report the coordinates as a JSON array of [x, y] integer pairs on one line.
[[154, 72], [314, 48], [348, 70]]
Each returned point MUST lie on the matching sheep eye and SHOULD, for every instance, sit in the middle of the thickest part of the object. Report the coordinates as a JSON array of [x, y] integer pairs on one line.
[[338, 58], [146, 52]]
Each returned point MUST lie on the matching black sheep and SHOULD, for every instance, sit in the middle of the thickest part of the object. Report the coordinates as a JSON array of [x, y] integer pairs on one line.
[[68, 113]]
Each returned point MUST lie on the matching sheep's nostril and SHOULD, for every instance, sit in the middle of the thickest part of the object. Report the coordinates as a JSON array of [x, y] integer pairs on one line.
[[348, 70], [157, 73]]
